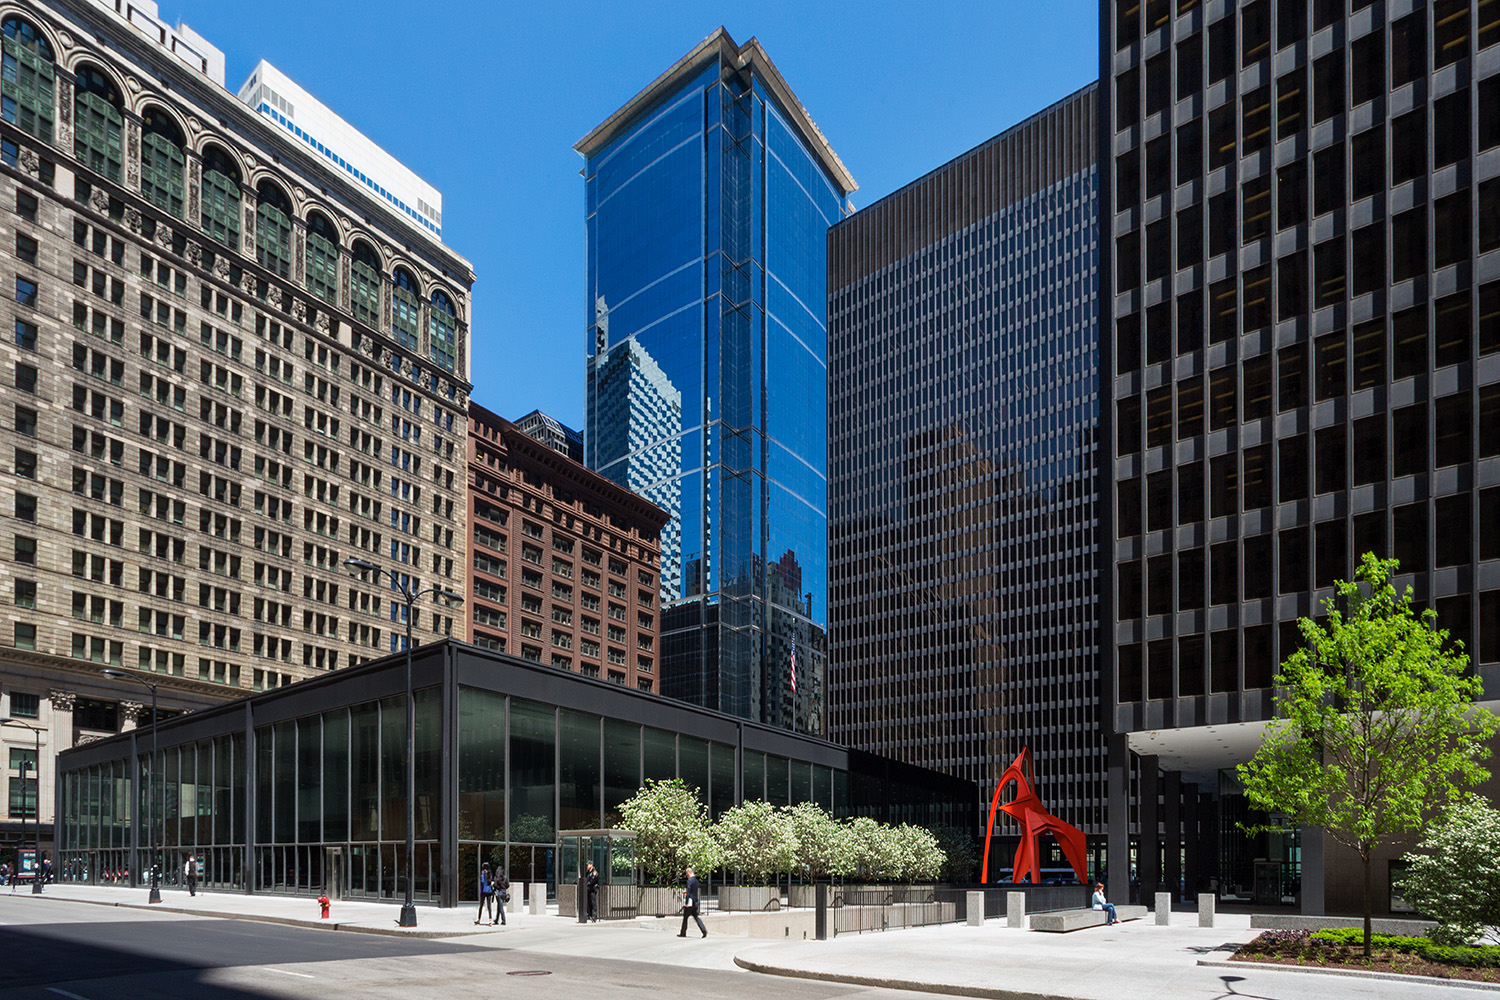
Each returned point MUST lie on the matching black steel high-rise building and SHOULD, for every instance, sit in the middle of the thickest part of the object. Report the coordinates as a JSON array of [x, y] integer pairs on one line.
[[963, 413], [1300, 285]]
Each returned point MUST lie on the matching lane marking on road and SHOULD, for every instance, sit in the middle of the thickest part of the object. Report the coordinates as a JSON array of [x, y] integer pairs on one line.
[[65, 993], [286, 973]]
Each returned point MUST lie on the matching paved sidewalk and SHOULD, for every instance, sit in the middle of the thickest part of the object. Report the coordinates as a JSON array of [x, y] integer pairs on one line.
[[1135, 960]]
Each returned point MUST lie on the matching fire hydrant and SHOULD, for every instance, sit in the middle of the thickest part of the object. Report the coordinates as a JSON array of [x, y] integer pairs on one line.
[[323, 902]]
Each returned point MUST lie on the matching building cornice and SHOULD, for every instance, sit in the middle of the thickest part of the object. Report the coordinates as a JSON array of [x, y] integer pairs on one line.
[[239, 121], [751, 55]]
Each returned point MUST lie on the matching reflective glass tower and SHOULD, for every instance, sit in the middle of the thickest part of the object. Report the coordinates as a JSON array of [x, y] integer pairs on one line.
[[708, 200]]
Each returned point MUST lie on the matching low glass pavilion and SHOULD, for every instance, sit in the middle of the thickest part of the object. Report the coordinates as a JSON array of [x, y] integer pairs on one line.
[[302, 789]]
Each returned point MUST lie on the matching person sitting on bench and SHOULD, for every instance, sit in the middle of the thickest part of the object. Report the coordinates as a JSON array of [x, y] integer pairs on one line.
[[1100, 903]]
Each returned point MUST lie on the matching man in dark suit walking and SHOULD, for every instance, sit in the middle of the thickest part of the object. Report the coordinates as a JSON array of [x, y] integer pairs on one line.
[[690, 905]]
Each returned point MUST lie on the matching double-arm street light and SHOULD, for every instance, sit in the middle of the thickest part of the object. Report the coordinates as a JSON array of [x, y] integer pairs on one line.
[[36, 815], [401, 584], [155, 896]]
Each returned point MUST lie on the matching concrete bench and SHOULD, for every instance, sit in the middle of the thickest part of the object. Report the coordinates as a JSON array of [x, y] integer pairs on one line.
[[1072, 920]]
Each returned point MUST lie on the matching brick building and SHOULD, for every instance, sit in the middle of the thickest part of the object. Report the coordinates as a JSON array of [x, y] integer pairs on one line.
[[565, 564]]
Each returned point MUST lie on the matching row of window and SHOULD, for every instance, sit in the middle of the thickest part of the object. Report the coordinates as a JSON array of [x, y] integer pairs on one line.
[[28, 102]]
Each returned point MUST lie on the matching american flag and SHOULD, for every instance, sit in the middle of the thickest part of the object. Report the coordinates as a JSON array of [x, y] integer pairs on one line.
[[794, 663]]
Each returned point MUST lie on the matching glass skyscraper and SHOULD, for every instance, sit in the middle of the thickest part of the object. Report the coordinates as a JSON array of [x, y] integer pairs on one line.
[[708, 199]]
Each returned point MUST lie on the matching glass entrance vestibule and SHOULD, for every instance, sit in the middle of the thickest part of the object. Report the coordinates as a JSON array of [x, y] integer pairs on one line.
[[303, 790]]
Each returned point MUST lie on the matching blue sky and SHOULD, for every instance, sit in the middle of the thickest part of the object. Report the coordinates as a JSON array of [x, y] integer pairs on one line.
[[484, 100]]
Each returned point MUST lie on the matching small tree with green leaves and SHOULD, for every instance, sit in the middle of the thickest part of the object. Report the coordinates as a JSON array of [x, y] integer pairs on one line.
[[671, 830], [757, 840], [1455, 874], [921, 859], [823, 849], [873, 855], [1376, 727]]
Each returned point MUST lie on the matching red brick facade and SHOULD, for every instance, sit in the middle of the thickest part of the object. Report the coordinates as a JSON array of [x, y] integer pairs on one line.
[[563, 563]]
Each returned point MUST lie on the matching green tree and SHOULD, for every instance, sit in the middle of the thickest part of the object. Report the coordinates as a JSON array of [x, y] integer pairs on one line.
[[920, 857], [1376, 727], [1455, 879], [757, 840], [823, 848], [670, 823]]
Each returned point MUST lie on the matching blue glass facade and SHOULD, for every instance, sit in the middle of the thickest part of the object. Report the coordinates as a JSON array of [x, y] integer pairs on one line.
[[708, 201]]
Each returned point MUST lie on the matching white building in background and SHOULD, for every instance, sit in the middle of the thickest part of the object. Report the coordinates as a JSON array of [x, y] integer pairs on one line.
[[276, 97]]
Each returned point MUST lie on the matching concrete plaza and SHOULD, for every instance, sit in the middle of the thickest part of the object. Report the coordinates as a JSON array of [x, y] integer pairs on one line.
[[1131, 960]]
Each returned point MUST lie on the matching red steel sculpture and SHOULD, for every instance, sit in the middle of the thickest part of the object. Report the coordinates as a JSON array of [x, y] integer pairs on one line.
[[1035, 821]]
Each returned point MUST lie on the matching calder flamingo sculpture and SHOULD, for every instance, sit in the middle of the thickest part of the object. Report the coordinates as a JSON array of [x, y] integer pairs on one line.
[[1035, 821]]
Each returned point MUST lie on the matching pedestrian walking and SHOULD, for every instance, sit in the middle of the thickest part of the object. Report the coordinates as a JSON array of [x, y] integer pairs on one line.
[[690, 905], [502, 893], [486, 894], [46, 874], [190, 875], [592, 879]]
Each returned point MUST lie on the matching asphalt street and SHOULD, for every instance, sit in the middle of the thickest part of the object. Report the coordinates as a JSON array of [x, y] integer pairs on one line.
[[77, 951]]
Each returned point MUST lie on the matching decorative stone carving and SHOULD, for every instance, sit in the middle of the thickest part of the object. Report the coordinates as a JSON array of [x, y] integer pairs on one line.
[[194, 251], [299, 241], [462, 399], [345, 300], [443, 387], [133, 152], [100, 199], [133, 219], [133, 84], [64, 112], [195, 179], [247, 282], [299, 310], [62, 700], [221, 267], [29, 162], [322, 322], [194, 124], [130, 711], [164, 235], [367, 346]]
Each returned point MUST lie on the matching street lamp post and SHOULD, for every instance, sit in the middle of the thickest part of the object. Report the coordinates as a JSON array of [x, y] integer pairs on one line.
[[409, 597], [155, 895], [36, 765]]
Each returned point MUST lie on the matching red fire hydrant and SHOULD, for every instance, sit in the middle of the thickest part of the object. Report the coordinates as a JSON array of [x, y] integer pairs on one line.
[[323, 902]]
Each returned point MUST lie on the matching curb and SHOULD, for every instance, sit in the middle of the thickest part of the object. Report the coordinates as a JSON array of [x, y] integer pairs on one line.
[[318, 924], [1395, 977], [893, 984]]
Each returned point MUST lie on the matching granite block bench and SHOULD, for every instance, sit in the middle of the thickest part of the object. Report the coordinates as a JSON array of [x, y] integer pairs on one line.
[[1072, 920]]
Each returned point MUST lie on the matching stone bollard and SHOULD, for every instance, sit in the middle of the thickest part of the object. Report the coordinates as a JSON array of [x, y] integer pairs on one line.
[[974, 904], [537, 893], [1163, 909], [514, 906], [1015, 910], [1206, 904]]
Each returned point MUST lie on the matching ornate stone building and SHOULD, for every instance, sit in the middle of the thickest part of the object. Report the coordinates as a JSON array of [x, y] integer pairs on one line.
[[234, 366]]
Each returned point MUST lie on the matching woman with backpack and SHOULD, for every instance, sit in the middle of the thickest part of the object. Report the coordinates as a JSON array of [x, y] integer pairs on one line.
[[486, 893]]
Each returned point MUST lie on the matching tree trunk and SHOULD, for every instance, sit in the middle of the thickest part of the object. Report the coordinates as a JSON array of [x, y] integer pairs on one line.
[[1364, 855]]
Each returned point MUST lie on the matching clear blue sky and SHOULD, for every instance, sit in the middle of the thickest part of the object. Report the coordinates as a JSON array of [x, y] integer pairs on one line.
[[484, 100]]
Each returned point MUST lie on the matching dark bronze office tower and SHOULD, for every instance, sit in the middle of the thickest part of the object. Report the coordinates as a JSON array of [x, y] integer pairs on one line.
[[962, 401], [1301, 292]]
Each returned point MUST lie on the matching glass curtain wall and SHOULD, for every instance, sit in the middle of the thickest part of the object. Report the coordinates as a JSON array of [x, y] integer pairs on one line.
[[329, 781]]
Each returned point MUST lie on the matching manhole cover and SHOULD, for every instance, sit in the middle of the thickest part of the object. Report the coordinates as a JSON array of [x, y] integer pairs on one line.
[[530, 972]]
